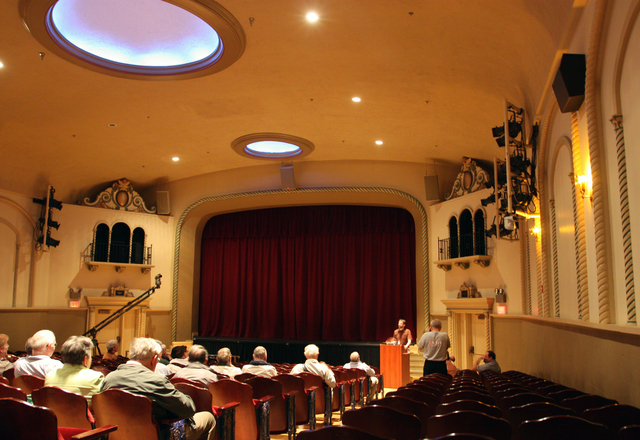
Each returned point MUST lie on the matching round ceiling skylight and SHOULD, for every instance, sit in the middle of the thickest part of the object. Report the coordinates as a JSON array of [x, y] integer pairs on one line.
[[272, 146], [137, 39]]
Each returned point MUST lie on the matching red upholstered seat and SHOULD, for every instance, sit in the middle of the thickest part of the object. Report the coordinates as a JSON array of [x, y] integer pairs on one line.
[[469, 422], [339, 432], [281, 407], [406, 405], [385, 422], [305, 399], [28, 383], [562, 428], [71, 409], [8, 391]]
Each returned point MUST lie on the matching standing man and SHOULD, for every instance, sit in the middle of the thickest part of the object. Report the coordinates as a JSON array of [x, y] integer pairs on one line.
[[402, 335], [39, 362], [434, 344]]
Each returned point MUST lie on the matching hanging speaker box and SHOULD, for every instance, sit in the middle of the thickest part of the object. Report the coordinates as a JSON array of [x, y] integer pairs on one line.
[[569, 83], [163, 203], [431, 187]]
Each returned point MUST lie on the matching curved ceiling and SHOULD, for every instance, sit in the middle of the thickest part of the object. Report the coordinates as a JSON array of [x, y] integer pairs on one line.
[[432, 78]]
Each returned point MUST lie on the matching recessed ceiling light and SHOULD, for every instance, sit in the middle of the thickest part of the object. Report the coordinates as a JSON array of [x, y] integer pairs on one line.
[[312, 16], [111, 125], [1, 65], [356, 99], [272, 146], [175, 159], [379, 142]]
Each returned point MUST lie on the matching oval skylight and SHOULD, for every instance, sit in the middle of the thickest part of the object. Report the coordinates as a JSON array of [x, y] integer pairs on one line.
[[141, 39], [272, 146], [149, 33]]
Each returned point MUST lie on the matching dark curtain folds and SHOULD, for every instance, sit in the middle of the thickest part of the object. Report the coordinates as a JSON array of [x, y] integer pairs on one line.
[[312, 272]]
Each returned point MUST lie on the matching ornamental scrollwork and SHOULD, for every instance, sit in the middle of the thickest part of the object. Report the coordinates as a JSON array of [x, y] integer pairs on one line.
[[120, 196], [470, 179]]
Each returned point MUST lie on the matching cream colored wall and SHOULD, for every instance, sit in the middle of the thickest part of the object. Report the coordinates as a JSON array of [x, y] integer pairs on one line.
[[593, 358]]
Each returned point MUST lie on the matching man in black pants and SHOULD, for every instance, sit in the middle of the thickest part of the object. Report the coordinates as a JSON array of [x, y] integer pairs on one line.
[[434, 345]]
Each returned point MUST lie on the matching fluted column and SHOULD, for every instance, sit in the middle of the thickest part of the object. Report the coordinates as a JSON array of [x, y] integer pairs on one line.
[[582, 282], [626, 220], [525, 269], [554, 254], [598, 176], [487, 331]]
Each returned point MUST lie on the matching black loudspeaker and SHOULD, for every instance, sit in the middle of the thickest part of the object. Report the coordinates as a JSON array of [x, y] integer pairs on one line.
[[431, 187], [569, 83], [288, 179], [163, 203]]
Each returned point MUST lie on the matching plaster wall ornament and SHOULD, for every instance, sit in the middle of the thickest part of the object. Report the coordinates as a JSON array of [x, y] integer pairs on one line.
[[120, 196], [470, 179]]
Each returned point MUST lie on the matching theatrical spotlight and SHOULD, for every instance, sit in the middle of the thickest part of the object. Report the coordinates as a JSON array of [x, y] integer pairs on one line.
[[489, 200], [491, 231], [498, 132]]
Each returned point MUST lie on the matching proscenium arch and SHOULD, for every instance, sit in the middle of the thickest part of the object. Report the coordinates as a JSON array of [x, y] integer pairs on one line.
[[287, 198]]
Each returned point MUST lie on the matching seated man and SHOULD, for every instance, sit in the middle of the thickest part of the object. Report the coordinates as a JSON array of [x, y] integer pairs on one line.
[[197, 370], [357, 363], [6, 360], [179, 357], [259, 365], [39, 362], [112, 349], [224, 364], [160, 367], [490, 363], [137, 376], [311, 365], [76, 374]]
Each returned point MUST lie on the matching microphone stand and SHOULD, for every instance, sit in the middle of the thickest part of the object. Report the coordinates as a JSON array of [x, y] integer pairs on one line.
[[115, 315]]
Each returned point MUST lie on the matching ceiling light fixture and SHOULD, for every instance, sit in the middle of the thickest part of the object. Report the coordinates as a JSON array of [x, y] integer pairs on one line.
[[175, 159], [146, 39], [356, 99], [312, 16], [272, 146], [379, 142]]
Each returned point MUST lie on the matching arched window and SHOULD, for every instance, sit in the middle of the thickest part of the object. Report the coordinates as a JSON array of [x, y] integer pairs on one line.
[[137, 246], [453, 237], [120, 242], [101, 243], [466, 233], [480, 238]]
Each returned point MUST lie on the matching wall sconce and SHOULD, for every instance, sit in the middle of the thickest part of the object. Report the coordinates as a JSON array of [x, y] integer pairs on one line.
[[535, 230], [583, 183]]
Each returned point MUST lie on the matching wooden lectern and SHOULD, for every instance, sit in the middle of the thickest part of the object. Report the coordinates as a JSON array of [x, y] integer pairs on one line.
[[394, 365]]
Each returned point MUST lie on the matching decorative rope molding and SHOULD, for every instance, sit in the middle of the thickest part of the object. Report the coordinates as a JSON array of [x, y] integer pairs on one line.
[[582, 282], [450, 328], [597, 166], [524, 267], [539, 274], [625, 215], [556, 278], [416, 202], [487, 330], [526, 290]]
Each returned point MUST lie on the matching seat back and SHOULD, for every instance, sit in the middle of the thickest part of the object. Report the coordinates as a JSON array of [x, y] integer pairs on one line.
[[226, 391], [613, 417], [340, 432], [9, 375], [631, 432], [7, 391], [522, 399], [313, 380], [468, 405], [406, 405], [290, 383], [587, 401], [385, 422], [177, 380], [561, 428], [534, 411], [268, 387], [468, 395], [201, 397], [132, 414], [416, 394], [71, 409], [559, 396], [243, 377], [469, 422], [28, 383], [21, 421], [429, 387]]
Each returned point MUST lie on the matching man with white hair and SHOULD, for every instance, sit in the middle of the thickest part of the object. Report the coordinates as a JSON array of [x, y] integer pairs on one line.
[[312, 365], [259, 365], [357, 363], [137, 376], [39, 362], [224, 365]]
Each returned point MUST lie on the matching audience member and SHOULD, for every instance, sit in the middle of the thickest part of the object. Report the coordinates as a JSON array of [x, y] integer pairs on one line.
[[259, 365], [357, 363], [224, 364], [76, 374], [402, 335], [164, 357], [452, 368], [312, 365], [137, 376], [197, 370], [490, 363], [160, 367], [38, 362], [179, 355], [434, 344], [112, 350], [6, 360]]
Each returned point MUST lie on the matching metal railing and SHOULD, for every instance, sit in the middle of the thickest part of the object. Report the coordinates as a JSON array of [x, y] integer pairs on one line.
[[463, 246], [117, 253]]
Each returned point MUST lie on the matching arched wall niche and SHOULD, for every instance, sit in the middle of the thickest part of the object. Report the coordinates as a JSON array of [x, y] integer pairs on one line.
[[189, 234]]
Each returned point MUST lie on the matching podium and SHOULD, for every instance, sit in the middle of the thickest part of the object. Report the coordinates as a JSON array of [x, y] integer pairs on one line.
[[394, 365]]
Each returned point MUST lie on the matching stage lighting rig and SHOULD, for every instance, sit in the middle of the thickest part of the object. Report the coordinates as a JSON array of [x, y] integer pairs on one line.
[[42, 232]]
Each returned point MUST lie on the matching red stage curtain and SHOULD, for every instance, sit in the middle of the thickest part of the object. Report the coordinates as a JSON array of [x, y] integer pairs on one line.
[[310, 272]]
